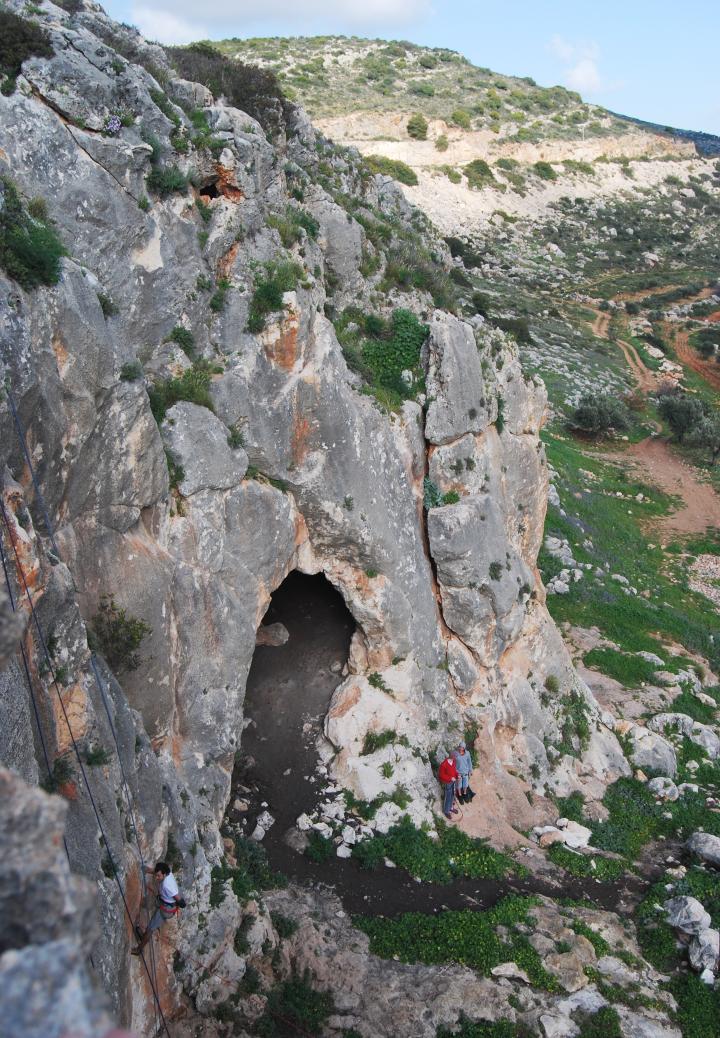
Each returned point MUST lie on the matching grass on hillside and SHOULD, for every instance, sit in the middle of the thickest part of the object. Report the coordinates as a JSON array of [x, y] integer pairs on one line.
[[335, 75], [616, 527]]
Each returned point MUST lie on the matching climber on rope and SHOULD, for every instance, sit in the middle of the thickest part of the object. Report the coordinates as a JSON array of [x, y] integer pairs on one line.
[[448, 776], [169, 903]]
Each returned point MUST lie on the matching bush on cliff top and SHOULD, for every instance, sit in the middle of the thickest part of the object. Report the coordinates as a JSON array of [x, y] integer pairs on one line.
[[251, 89], [392, 168], [30, 250], [20, 39]]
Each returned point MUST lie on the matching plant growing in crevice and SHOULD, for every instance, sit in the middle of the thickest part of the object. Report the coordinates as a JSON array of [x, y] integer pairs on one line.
[[30, 249], [117, 635]]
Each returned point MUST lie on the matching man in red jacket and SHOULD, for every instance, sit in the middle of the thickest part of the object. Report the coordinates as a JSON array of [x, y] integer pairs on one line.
[[448, 775]]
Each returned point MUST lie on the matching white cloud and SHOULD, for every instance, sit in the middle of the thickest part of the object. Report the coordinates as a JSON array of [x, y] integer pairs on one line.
[[164, 27], [584, 77], [176, 21], [561, 48], [582, 72]]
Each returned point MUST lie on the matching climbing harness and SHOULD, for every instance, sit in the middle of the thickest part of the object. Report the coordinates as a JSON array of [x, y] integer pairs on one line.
[[151, 973]]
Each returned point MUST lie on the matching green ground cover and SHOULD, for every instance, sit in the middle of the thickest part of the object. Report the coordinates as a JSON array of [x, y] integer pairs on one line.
[[617, 528], [466, 937]]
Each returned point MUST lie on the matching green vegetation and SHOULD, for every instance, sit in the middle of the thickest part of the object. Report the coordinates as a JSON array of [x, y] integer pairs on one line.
[[629, 670], [682, 412], [375, 741], [117, 635], [20, 39], [292, 223], [434, 861], [285, 926], [394, 168], [698, 1005], [319, 849], [417, 127], [400, 76], [164, 180], [603, 1024], [251, 875], [247, 87], [381, 350], [276, 279], [131, 371], [294, 1007], [96, 756], [185, 340], [192, 385], [219, 296], [30, 249], [605, 869], [599, 414], [465, 937], [62, 772], [479, 174], [545, 171], [614, 524], [480, 1029]]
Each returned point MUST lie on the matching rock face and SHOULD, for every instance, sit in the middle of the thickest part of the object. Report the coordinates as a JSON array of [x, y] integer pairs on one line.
[[48, 922], [273, 460]]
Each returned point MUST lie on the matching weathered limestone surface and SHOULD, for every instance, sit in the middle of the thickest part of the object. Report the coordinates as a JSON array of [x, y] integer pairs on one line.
[[449, 608]]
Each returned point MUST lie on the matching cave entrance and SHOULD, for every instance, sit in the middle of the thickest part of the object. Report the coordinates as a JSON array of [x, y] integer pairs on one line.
[[287, 696], [209, 191]]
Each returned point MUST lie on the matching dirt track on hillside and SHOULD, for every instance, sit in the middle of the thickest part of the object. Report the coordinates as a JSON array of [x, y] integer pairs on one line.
[[654, 461], [646, 379], [709, 370]]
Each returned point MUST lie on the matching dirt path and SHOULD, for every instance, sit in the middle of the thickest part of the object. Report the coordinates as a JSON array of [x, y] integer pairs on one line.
[[709, 370], [655, 462], [601, 324], [288, 692], [646, 379]]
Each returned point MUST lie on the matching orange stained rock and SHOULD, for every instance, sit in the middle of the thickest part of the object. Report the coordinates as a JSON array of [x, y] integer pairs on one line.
[[226, 262], [284, 350], [344, 703], [227, 184]]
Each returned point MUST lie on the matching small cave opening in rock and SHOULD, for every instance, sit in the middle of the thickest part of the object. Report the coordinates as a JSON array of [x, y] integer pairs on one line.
[[288, 691], [209, 191]]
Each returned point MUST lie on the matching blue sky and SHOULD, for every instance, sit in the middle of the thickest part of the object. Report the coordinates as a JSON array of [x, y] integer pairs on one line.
[[654, 59]]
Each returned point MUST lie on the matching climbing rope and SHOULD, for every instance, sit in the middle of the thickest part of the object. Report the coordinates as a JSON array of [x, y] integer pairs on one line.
[[23, 443], [76, 749], [20, 431]]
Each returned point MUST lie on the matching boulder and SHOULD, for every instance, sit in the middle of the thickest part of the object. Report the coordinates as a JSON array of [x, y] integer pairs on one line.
[[680, 723], [574, 834], [198, 443], [664, 788], [558, 1026], [510, 970], [704, 950], [704, 736], [706, 847], [651, 752], [687, 915]]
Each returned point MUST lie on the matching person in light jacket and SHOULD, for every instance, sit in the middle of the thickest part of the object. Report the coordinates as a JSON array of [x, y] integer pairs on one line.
[[464, 766]]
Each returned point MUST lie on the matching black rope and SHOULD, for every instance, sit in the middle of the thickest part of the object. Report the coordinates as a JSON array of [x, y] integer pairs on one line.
[[23, 443], [41, 500], [76, 749], [93, 664]]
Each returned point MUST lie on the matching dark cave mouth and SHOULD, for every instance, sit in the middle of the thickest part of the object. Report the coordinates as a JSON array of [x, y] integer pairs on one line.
[[288, 692]]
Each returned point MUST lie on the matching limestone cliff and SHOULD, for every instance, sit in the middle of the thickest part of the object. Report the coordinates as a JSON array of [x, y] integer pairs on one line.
[[427, 517]]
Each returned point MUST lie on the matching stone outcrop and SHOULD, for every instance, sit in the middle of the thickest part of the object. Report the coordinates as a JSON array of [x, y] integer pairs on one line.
[[277, 462]]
